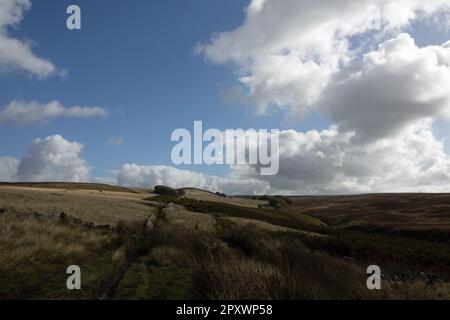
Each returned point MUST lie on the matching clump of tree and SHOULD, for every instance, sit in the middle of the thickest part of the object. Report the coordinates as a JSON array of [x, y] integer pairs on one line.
[[221, 194], [276, 202], [167, 191]]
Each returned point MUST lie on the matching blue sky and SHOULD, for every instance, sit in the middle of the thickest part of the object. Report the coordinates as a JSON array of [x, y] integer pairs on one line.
[[133, 58], [136, 59]]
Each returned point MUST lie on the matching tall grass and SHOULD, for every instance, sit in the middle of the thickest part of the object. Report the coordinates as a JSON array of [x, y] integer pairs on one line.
[[231, 261], [36, 250], [244, 263]]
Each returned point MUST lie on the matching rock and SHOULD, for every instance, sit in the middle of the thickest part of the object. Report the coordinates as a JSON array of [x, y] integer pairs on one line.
[[36, 215], [104, 227], [149, 226], [349, 259], [221, 194], [167, 191]]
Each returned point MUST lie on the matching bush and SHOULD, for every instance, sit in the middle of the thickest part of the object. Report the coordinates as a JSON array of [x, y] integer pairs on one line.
[[277, 202], [167, 191], [221, 194]]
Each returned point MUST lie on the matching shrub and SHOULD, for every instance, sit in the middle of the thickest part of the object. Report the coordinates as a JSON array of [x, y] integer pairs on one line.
[[166, 191], [277, 202], [221, 194]]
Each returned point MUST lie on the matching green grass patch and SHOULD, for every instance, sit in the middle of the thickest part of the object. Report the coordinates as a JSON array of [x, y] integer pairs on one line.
[[47, 279], [144, 281], [276, 217]]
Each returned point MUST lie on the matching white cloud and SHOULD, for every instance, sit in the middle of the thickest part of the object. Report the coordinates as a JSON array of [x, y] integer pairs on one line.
[[57, 159], [53, 159], [16, 54], [22, 113], [8, 169], [390, 88], [335, 57], [111, 179], [285, 52], [149, 176], [116, 141], [324, 162], [328, 162], [314, 162]]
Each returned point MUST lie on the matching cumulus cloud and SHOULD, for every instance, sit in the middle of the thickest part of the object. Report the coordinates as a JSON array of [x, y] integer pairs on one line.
[[390, 88], [352, 62], [57, 159], [313, 162], [53, 159], [22, 113], [150, 176], [328, 162], [285, 52], [324, 162], [16, 54], [8, 169]]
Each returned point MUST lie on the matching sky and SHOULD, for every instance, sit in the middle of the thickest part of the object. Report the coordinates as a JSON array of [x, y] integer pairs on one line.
[[360, 91]]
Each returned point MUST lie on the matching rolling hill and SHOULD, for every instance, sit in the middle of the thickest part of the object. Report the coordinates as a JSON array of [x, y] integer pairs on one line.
[[134, 244]]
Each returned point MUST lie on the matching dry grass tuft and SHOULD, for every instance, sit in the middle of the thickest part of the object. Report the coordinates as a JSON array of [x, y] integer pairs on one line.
[[36, 250]]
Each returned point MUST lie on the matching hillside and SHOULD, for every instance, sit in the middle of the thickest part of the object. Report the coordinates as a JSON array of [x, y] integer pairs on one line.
[[72, 186], [133, 244], [421, 216]]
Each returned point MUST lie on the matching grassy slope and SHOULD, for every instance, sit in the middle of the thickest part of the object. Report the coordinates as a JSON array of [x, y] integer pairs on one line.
[[276, 217], [230, 261], [70, 186], [420, 216], [93, 206], [36, 251]]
